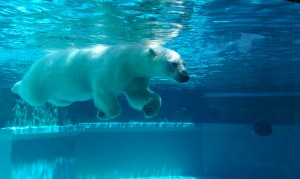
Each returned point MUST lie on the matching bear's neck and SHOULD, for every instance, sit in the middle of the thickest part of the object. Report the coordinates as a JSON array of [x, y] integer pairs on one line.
[[148, 69]]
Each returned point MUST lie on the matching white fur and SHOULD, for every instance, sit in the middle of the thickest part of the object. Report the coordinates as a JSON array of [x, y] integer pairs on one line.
[[101, 73]]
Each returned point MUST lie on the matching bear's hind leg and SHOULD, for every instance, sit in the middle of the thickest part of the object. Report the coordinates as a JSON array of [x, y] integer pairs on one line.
[[16, 87], [29, 95], [107, 104]]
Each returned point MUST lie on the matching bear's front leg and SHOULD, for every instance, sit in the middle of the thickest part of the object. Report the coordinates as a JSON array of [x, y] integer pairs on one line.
[[107, 104], [144, 100], [152, 107]]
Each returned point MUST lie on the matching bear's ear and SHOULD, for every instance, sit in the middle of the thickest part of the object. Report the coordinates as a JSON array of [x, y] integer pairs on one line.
[[152, 52]]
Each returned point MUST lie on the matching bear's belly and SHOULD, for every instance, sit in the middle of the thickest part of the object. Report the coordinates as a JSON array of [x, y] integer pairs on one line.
[[73, 96]]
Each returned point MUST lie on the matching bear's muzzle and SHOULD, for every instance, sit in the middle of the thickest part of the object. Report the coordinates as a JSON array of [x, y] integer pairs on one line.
[[182, 77]]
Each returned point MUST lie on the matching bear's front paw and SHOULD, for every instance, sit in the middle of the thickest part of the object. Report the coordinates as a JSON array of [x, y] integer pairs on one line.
[[101, 115], [152, 107]]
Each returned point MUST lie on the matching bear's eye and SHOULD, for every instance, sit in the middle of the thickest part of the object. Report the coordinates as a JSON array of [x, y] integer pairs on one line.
[[174, 64]]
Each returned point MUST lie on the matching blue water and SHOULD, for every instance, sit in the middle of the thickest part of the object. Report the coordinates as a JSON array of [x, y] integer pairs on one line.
[[243, 58]]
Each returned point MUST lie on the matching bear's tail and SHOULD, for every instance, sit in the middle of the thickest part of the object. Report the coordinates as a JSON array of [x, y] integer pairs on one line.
[[16, 87]]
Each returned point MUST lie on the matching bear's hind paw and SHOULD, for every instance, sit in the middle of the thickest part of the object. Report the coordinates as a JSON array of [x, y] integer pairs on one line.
[[106, 115]]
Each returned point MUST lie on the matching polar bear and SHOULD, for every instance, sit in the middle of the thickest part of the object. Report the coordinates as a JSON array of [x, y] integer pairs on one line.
[[102, 73]]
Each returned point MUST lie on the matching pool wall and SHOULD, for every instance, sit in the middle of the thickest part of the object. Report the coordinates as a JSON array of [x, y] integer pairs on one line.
[[208, 150]]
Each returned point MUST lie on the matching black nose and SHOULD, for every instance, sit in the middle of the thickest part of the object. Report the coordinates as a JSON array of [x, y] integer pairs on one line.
[[184, 77]]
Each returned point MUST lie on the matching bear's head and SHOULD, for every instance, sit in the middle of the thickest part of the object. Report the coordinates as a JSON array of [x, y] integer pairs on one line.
[[169, 63]]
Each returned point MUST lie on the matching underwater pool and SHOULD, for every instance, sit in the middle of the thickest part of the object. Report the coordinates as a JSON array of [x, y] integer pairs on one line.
[[231, 110]]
